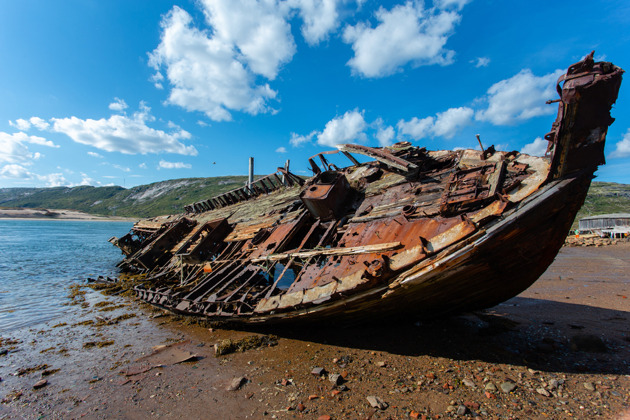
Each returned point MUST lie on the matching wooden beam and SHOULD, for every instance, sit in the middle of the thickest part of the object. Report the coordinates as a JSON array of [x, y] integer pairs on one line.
[[365, 249]]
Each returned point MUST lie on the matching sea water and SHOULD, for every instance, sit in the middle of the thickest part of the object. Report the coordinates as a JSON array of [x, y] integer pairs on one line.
[[39, 259]]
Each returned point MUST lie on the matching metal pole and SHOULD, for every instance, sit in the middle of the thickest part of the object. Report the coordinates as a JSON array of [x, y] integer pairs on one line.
[[250, 181], [286, 168]]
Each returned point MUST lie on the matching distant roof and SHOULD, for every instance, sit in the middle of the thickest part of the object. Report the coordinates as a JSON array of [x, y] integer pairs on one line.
[[608, 216]]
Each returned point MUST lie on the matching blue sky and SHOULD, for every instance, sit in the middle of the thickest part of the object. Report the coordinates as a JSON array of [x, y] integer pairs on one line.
[[132, 92]]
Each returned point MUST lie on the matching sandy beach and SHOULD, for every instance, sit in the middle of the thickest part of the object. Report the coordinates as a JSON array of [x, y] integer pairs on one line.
[[56, 214], [559, 350]]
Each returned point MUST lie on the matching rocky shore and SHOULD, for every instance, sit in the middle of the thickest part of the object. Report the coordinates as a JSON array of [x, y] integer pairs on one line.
[[559, 350]]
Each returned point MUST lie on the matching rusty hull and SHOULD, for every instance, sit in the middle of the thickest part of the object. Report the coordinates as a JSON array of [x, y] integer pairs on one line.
[[410, 233]]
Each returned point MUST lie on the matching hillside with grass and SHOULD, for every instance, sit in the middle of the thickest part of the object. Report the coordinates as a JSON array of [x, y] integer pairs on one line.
[[169, 197], [166, 197]]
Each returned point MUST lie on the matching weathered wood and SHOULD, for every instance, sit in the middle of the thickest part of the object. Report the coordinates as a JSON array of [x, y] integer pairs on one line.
[[355, 250]]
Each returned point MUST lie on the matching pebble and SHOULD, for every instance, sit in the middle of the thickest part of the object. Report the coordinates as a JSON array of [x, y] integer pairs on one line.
[[381, 364], [508, 387], [589, 386], [461, 410], [318, 371], [335, 378], [376, 402], [40, 384], [236, 383], [554, 383], [543, 391], [468, 383], [490, 387]]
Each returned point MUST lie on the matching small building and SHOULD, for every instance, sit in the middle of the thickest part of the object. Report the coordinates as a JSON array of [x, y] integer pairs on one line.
[[615, 225]]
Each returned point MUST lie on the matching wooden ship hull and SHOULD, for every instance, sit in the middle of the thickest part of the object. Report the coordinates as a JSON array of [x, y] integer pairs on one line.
[[410, 233]]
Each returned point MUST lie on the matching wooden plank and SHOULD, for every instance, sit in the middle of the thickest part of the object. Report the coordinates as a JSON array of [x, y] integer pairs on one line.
[[366, 249]]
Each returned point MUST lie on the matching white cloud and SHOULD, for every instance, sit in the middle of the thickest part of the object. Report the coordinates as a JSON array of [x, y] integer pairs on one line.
[[384, 135], [13, 148], [53, 180], [445, 124], [348, 128], [121, 168], [86, 180], [15, 171], [128, 135], [320, 17], [298, 140], [623, 147], [416, 128], [258, 30], [24, 125], [446, 4], [173, 165], [536, 148], [94, 154], [206, 72], [118, 105], [519, 98], [281, 149], [142, 166], [407, 33], [449, 122], [20, 124], [39, 123], [481, 62]]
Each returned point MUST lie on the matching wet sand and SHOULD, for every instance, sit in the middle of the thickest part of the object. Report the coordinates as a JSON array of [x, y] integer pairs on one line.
[[559, 350]]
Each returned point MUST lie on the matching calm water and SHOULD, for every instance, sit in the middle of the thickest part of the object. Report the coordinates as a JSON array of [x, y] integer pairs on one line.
[[39, 259]]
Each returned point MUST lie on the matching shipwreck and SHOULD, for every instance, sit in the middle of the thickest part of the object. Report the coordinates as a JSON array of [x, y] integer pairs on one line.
[[409, 232]]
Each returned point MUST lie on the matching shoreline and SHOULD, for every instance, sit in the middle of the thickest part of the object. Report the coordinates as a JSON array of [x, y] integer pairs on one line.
[[561, 349], [57, 214]]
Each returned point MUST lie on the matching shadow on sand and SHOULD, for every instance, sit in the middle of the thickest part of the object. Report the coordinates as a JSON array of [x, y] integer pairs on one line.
[[540, 334]]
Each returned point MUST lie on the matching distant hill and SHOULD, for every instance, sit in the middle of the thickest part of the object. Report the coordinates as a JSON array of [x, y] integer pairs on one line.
[[604, 198], [169, 197], [166, 197]]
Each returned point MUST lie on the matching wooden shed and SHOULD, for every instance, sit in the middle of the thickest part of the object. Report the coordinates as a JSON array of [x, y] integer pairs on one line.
[[615, 225]]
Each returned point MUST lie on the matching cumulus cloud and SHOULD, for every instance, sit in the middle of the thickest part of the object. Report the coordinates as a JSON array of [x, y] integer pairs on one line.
[[384, 134], [25, 125], [281, 149], [121, 133], [519, 98], [209, 73], [416, 128], [298, 140], [14, 149], [408, 33], [445, 124], [19, 172], [258, 30], [448, 123], [15, 171], [536, 148], [21, 124], [345, 129], [86, 180], [481, 62], [320, 17], [623, 147], [94, 154], [118, 105], [173, 165]]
